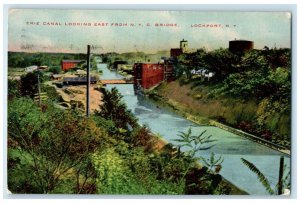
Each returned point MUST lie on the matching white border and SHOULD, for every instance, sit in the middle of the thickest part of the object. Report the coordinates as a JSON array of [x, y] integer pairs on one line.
[[114, 4]]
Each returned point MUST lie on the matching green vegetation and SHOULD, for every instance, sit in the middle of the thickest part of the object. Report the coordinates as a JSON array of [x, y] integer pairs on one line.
[[250, 91], [22, 59], [60, 151], [284, 181], [55, 69], [113, 108]]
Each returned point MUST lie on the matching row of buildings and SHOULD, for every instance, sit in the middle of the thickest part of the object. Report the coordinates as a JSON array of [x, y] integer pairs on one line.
[[147, 75]]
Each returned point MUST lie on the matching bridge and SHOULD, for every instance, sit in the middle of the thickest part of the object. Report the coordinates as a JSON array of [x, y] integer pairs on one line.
[[116, 81]]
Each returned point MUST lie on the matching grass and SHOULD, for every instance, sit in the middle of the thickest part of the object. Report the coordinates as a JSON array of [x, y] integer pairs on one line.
[[189, 100], [196, 104]]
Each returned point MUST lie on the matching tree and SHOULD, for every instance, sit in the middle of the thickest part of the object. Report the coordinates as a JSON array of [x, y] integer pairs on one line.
[[113, 108], [29, 83], [55, 69], [13, 89], [55, 144], [222, 62]]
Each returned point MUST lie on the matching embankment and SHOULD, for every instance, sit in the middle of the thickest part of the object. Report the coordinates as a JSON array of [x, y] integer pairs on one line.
[[200, 109]]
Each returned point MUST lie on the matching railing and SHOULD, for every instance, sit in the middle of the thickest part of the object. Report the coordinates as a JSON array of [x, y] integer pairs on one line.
[[252, 137]]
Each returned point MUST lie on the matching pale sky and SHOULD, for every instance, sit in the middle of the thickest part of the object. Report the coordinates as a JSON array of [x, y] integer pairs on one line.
[[264, 28]]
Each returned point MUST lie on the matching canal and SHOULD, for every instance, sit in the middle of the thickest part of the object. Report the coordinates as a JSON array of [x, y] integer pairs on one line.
[[228, 145]]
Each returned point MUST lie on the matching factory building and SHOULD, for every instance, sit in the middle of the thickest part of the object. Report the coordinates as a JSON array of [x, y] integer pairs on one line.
[[147, 75]]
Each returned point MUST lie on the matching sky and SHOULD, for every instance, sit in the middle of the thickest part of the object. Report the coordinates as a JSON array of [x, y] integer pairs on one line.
[[69, 31]]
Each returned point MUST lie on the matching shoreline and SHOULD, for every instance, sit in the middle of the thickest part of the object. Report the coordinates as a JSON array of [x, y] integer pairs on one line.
[[179, 109], [159, 144]]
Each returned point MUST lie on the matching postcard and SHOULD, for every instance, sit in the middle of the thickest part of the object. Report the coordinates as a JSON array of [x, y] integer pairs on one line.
[[131, 102]]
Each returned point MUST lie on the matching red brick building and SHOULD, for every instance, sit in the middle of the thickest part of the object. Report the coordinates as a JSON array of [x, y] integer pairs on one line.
[[175, 52], [148, 75], [69, 64]]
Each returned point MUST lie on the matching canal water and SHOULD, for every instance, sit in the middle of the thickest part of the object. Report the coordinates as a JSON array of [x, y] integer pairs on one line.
[[228, 145]]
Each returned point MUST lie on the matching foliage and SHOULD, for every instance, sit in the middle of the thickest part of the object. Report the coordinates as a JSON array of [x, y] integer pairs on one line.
[[13, 89], [261, 76], [51, 92], [56, 141], [115, 177], [200, 180], [285, 181], [29, 84], [141, 136], [108, 125], [222, 62], [260, 175], [22, 59], [113, 108], [213, 162], [193, 144], [20, 176], [55, 69]]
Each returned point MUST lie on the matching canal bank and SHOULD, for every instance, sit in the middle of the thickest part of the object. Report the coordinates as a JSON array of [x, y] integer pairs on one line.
[[180, 109], [231, 147]]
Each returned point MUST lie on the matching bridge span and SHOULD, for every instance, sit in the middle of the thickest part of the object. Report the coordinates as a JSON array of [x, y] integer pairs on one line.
[[116, 81]]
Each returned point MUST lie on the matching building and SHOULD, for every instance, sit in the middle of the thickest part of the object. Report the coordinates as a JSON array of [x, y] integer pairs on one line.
[[78, 80], [69, 64], [240, 46], [147, 75], [175, 52], [184, 48], [31, 68], [56, 77]]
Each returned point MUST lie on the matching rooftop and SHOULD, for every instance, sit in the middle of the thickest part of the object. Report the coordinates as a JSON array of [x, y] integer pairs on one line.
[[75, 61]]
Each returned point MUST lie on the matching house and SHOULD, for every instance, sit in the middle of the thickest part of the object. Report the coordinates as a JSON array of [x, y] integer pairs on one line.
[[69, 64], [31, 68], [56, 77]]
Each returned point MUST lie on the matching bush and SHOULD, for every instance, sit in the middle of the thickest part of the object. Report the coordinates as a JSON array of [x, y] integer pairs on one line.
[[115, 177], [51, 93], [58, 142], [13, 89], [55, 69]]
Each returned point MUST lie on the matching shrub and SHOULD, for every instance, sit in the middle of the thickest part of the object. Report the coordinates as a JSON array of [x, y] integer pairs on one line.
[[56, 141], [55, 69]]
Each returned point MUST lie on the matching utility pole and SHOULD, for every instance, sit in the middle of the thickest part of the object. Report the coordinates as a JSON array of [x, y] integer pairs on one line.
[[39, 88], [88, 82], [280, 183]]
